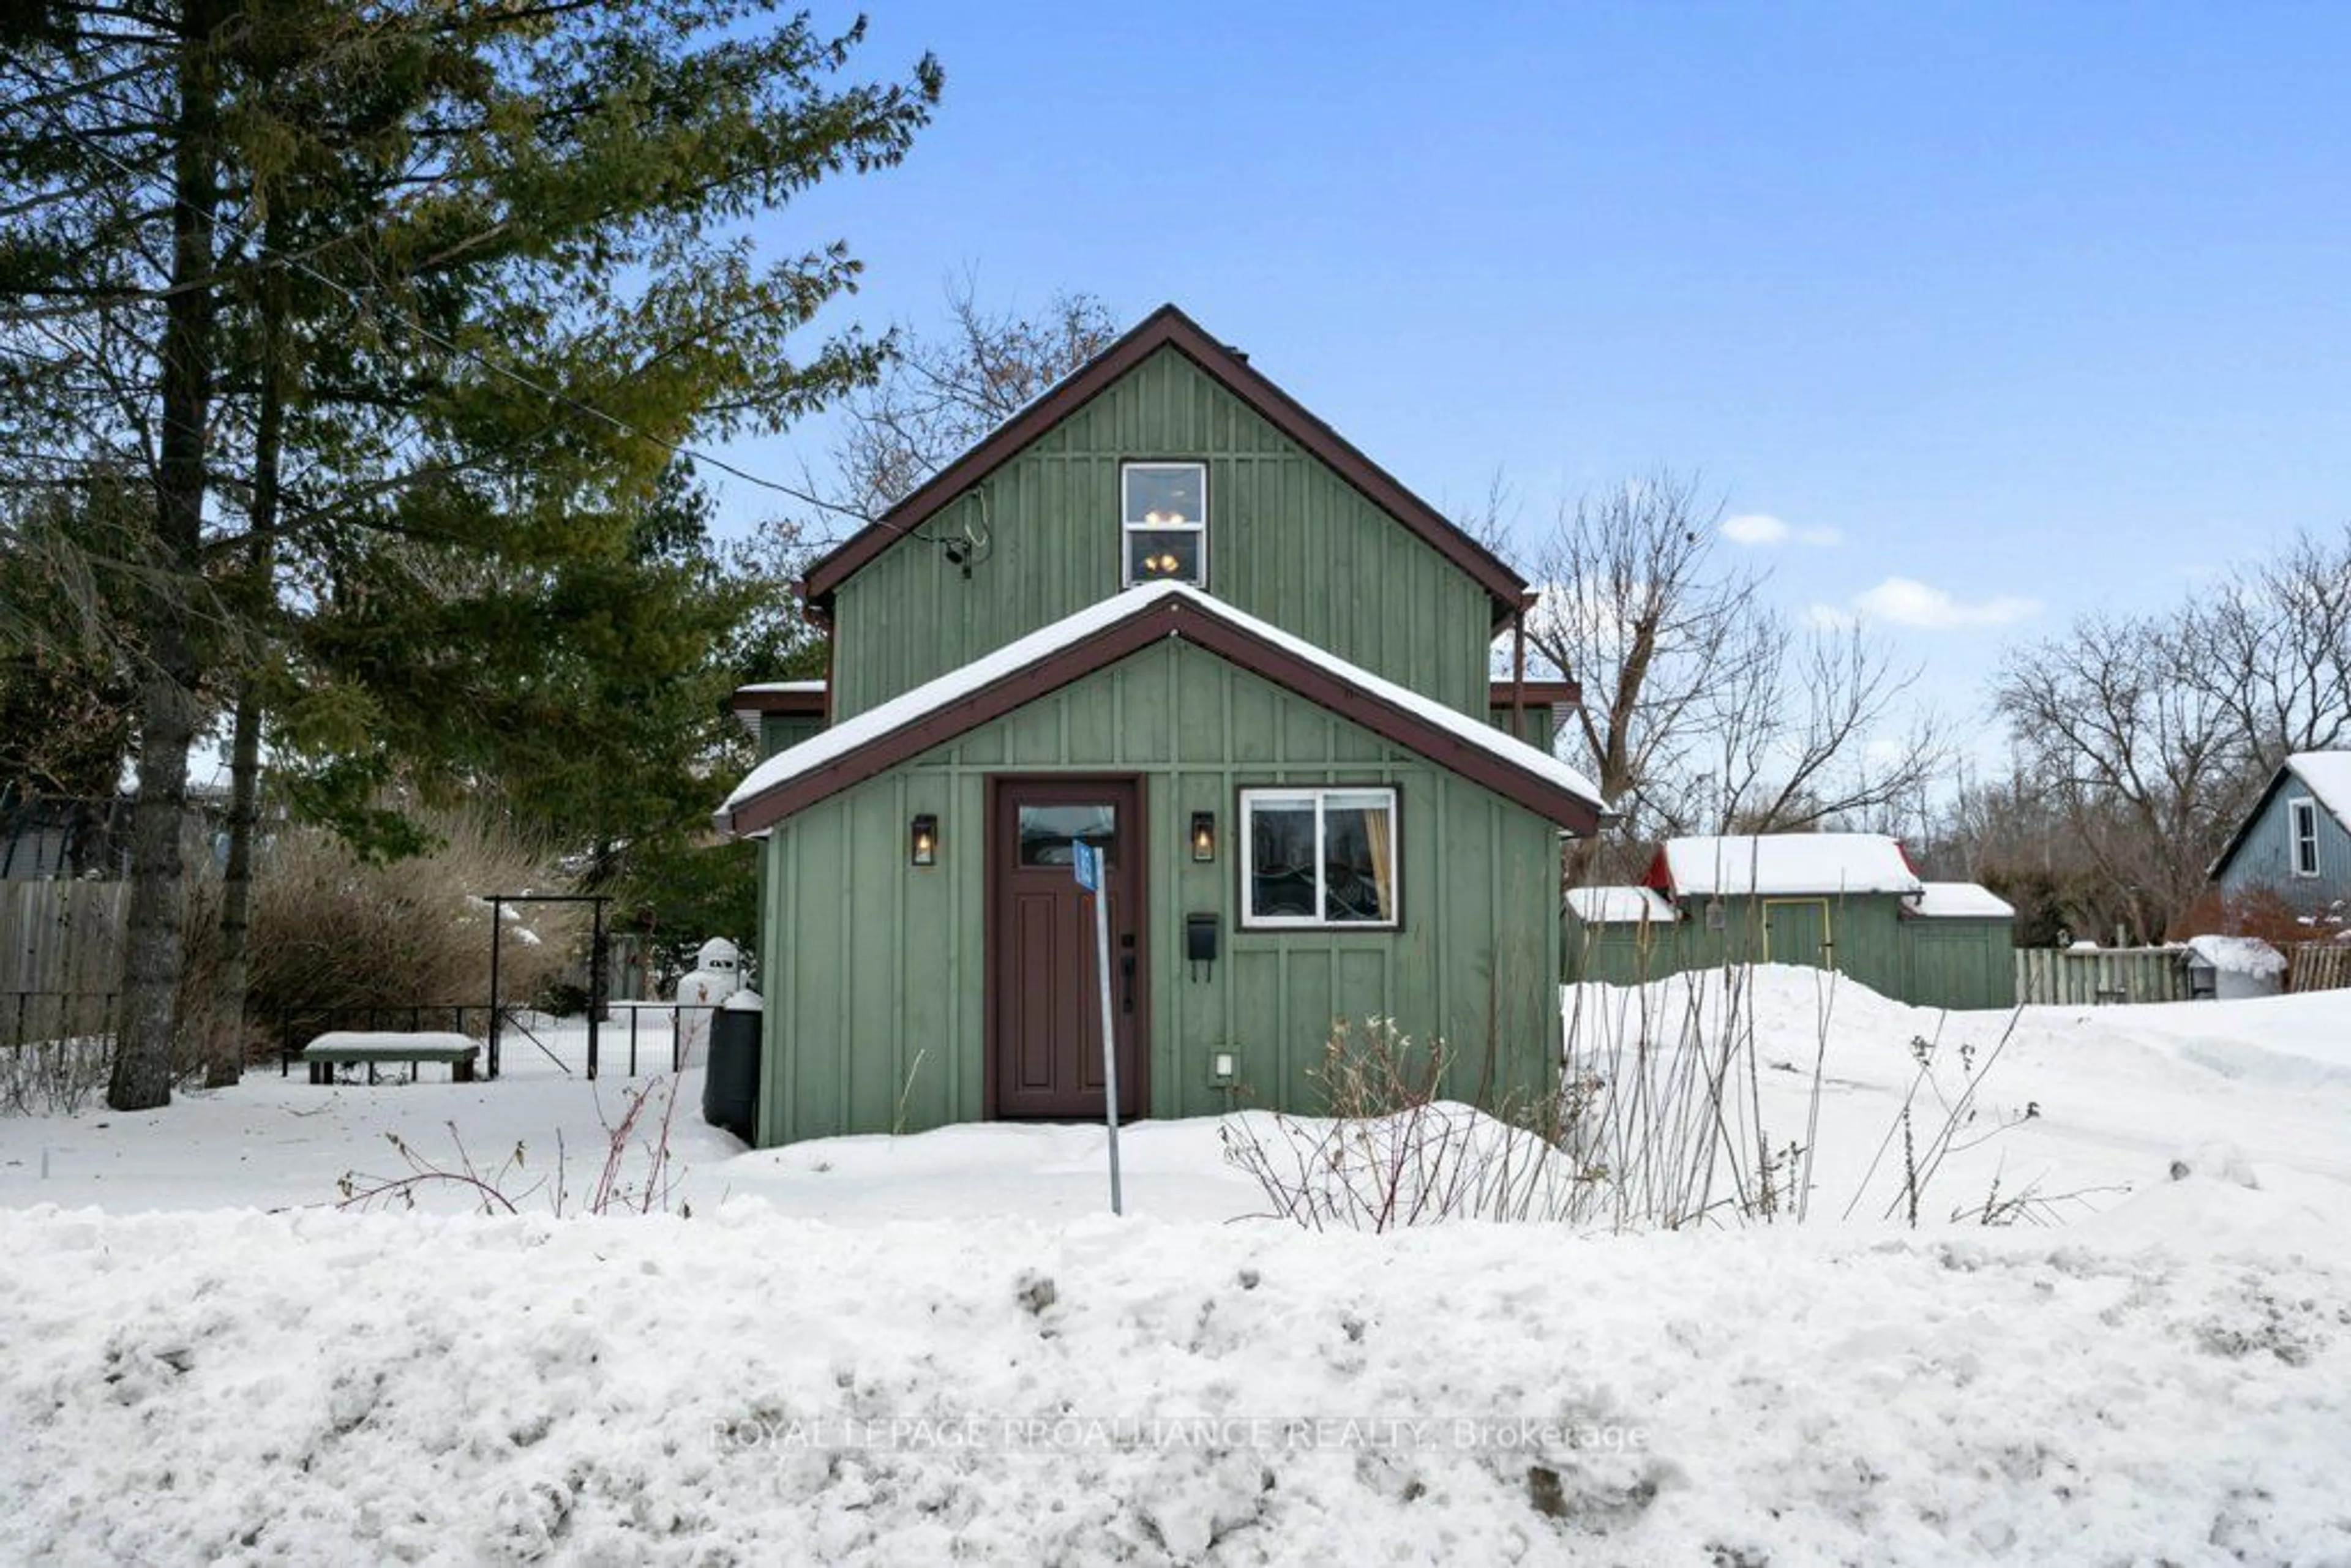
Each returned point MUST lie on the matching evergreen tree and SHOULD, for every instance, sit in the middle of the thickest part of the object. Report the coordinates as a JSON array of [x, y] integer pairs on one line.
[[399, 314]]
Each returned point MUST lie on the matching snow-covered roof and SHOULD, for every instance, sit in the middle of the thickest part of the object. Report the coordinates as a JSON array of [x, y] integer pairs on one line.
[[2239, 955], [1960, 901], [1775, 863], [754, 702], [1181, 602], [2328, 774], [1621, 907]]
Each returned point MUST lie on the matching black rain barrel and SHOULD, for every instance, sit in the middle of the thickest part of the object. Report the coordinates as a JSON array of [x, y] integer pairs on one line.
[[730, 1084]]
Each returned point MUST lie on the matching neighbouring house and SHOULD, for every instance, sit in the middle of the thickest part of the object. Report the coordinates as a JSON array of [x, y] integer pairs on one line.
[[43, 838], [1166, 612], [1847, 902], [2297, 841]]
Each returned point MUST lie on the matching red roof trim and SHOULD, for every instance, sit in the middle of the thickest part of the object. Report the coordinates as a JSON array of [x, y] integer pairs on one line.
[[1169, 327], [1537, 694]]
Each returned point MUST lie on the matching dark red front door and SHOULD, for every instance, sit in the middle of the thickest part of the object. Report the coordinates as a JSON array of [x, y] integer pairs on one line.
[[1044, 1010]]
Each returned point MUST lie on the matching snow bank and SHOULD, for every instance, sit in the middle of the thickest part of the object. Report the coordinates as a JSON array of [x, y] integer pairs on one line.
[[801, 1373], [318, 1387]]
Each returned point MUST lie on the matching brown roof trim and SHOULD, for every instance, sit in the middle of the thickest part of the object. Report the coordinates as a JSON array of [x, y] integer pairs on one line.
[[1169, 327], [1537, 694], [807, 704], [1117, 640]]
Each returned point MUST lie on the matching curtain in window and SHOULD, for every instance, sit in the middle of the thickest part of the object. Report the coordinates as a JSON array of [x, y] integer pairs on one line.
[[1379, 834]]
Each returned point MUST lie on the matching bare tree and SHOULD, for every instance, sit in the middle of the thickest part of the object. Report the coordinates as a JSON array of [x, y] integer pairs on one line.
[[1820, 731], [2143, 762], [938, 395], [2153, 733], [1704, 710], [1632, 608], [2273, 649]]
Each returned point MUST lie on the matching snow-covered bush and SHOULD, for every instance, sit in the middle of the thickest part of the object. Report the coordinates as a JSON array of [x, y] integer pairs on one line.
[[58, 1056], [1675, 1110], [1392, 1152]]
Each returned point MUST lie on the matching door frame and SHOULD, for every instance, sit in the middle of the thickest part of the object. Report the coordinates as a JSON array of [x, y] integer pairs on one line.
[[1828, 931], [1134, 1068]]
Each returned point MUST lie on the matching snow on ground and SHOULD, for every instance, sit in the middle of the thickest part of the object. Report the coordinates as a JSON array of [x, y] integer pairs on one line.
[[913, 1349]]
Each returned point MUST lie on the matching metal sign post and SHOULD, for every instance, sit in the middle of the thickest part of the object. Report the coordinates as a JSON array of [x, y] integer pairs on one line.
[[1085, 861]]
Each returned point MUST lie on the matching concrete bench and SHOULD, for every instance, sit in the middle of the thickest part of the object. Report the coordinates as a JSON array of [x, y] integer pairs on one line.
[[376, 1047]]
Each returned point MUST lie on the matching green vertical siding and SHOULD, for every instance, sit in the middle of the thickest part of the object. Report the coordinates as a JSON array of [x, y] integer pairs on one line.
[[1961, 963], [780, 730], [1289, 540], [1534, 725], [877, 1013]]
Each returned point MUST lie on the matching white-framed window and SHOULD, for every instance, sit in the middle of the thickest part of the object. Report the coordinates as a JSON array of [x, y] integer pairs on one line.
[[2302, 835], [1318, 857], [1163, 523]]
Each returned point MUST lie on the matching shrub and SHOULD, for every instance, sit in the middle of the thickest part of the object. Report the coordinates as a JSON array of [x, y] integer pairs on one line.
[[638, 1173], [1391, 1153], [332, 933], [1659, 1124]]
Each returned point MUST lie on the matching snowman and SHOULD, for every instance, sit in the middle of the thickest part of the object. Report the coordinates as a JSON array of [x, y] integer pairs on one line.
[[714, 979]]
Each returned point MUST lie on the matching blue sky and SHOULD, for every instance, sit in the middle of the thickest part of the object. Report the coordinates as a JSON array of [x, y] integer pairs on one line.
[[2031, 309]]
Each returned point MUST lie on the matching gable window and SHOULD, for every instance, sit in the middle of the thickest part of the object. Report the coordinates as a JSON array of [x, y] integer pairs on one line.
[[1163, 512], [2302, 832], [1318, 857]]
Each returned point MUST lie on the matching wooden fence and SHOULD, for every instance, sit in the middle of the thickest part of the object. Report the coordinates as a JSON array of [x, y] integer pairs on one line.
[[2062, 978], [2321, 966], [61, 936]]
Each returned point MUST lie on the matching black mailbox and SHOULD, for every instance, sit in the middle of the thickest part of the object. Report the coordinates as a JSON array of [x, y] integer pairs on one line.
[[1200, 939]]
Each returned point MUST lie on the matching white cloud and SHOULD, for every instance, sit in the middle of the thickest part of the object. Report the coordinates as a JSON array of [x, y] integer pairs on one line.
[[1761, 528], [1907, 601], [1754, 528]]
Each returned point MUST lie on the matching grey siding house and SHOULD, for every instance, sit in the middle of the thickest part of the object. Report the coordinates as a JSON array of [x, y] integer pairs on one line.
[[2296, 841]]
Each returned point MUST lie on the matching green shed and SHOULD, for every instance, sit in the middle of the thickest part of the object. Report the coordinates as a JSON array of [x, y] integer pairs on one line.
[[1960, 944], [1623, 935], [1847, 902], [1167, 612]]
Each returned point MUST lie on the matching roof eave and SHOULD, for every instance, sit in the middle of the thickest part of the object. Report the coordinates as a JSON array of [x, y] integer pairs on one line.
[[1105, 645], [1168, 326]]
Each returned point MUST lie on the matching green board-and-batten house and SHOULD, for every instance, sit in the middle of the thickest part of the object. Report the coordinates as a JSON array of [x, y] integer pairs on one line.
[[1167, 611]]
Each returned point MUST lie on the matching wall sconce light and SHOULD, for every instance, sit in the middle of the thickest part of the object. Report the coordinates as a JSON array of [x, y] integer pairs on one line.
[[1204, 836], [923, 847]]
